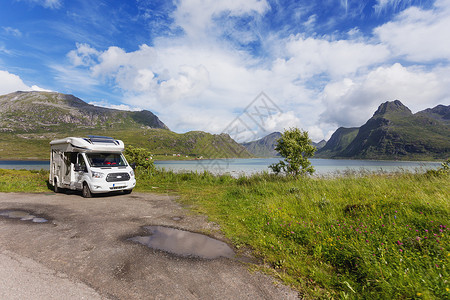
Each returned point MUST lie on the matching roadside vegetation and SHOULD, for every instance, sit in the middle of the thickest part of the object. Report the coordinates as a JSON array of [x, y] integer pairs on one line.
[[356, 236]]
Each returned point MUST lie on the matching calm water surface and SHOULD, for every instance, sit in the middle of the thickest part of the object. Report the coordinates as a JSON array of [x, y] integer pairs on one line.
[[322, 166], [237, 167]]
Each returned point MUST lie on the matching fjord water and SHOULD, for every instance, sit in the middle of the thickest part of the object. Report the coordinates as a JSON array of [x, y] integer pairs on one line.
[[249, 166], [237, 167]]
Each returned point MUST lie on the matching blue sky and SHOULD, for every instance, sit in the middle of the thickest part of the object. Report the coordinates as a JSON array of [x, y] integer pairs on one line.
[[197, 64]]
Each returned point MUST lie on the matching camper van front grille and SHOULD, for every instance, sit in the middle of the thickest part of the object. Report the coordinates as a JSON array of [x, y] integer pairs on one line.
[[117, 177]]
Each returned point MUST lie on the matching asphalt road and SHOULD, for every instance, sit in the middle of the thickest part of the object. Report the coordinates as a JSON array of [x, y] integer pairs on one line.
[[83, 252]]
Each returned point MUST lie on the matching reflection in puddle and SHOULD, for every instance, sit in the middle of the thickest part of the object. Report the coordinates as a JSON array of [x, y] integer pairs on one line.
[[184, 243], [22, 215]]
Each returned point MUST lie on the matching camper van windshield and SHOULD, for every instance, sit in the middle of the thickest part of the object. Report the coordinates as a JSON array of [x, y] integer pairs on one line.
[[106, 160]]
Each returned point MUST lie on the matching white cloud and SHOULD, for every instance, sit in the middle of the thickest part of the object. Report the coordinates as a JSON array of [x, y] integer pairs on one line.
[[39, 89], [196, 16], [198, 81], [113, 106], [419, 35], [10, 83], [311, 56], [52, 4], [351, 102], [12, 31], [84, 55]]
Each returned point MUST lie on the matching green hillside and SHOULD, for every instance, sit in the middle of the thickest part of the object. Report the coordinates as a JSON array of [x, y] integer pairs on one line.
[[394, 132], [30, 120]]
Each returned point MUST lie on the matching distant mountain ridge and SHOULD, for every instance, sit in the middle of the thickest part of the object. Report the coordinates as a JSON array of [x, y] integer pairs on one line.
[[30, 120], [265, 147], [394, 132]]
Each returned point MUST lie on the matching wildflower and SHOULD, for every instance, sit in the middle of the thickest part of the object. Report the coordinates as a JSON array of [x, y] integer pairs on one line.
[[419, 294], [401, 250]]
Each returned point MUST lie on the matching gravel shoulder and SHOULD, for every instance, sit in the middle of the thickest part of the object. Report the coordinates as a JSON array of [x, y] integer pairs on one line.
[[85, 246]]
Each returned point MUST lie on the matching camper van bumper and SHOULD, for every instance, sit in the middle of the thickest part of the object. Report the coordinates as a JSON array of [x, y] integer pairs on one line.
[[97, 187]]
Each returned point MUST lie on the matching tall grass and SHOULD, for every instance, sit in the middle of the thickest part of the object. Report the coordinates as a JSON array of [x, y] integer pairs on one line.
[[357, 236]]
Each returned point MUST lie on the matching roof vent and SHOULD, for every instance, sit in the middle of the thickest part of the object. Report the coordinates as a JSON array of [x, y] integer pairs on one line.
[[97, 139]]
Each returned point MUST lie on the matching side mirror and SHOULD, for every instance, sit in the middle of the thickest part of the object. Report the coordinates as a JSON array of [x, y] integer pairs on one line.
[[78, 168], [133, 165]]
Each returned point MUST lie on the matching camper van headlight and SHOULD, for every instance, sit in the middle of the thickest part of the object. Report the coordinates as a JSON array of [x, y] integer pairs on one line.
[[132, 173], [97, 175]]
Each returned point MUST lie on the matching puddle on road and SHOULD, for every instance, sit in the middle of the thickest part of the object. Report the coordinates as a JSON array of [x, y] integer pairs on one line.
[[183, 243], [22, 215]]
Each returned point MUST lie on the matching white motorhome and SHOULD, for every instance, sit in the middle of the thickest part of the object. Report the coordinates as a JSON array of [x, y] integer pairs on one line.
[[92, 165]]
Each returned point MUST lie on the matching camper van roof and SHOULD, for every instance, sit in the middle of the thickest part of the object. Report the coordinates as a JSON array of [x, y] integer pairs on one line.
[[90, 144]]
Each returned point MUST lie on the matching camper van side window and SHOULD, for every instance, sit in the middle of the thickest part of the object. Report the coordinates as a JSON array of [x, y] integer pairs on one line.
[[81, 162]]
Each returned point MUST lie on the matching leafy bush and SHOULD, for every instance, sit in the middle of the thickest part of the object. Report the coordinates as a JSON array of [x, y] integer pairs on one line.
[[443, 170], [139, 156]]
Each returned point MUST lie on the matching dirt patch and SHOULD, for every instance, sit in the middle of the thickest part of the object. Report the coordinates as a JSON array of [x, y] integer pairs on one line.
[[86, 242]]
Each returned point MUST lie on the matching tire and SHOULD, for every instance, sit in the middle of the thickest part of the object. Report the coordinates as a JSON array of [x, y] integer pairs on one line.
[[86, 191], [126, 192], [56, 189]]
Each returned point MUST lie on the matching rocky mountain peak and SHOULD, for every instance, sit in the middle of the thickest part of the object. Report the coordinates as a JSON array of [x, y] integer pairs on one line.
[[392, 107]]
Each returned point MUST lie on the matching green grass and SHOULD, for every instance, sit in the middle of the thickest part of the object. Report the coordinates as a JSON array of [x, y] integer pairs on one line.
[[23, 181], [361, 236], [370, 236]]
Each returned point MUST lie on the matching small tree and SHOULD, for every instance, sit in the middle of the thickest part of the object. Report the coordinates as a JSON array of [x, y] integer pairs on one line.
[[295, 146]]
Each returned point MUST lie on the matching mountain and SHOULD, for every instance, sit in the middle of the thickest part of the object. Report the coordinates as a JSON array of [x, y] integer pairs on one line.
[[30, 120], [394, 132], [440, 113], [340, 139], [265, 147], [49, 112]]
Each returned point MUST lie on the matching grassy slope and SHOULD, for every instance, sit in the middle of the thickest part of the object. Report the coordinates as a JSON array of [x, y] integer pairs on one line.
[[370, 236]]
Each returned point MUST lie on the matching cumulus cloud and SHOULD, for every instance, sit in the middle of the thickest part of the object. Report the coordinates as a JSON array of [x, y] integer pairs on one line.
[[84, 55], [419, 35], [195, 17], [350, 102], [199, 81], [312, 56], [10, 83]]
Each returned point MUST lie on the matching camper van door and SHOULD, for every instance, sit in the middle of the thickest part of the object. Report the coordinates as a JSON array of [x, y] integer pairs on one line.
[[80, 170]]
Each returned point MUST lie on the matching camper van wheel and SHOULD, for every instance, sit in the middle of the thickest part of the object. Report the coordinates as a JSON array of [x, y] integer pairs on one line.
[[126, 192], [56, 189], [86, 191]]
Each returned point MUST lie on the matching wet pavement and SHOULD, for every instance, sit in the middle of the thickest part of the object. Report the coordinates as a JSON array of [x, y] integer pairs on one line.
[[183, 243], [21, 215], [86, 240]]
